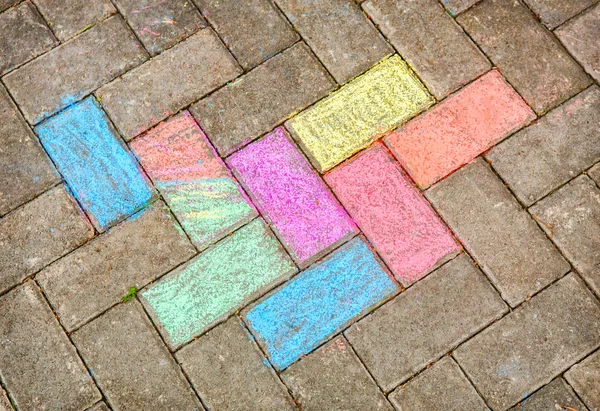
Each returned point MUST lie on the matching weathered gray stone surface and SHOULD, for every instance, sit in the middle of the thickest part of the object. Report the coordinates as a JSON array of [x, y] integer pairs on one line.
[[530, 346], [4, 4], [504, 240], [38, 364], [101, 406], [38, 233], [97, 275], [72, 70], [455, 7], [585, 379], [571, 217], [4, 401], [527, 54], [263, 98], [341, 36], [594, 173], [555, 12], [555, 396], [442, 387], [254, 30], [229, 373], [558, 147], [25, 169], [403, 336], [131, 364], [167, 83], [332, 378]]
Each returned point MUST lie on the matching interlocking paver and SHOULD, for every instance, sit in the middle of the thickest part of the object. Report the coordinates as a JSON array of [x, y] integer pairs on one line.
[[571, 218], [364, 109], [101, 406], [528, 55], [504, 240], [38, 364], [229, 373], [254, 30], [4, 401], [555, 396], [67, 73], [580, 37], [131, 364], [555, 12], [90, 155], [97, 275], [38, 233], [339, 33], [167, 83], [439, 51], [68, 18], [261, 99], [194, 181], [216, 283], [455, 7], [585, 379], [298, 316], [460, 128], [292, 197], [23, 36], [25, 170], [530, 346], [440, 387], [594, 173], [332, 378], [161, 24], [393, 214], [425, 321], [4, 4]]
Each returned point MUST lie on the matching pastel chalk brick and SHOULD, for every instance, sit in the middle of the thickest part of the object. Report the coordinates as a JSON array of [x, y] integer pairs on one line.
[[216, 283], [319, 302], [192, 178], [393, 214], [292, 197], [360, 112], [458, 129], [102, 174]]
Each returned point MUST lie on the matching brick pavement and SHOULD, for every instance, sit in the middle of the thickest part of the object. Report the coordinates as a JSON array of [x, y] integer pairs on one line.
[[288, 204]]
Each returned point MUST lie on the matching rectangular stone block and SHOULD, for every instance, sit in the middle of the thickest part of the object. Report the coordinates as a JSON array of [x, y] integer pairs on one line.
[[101, 406], [360, 112], [425, 322], [97, 275], [458, 129], [167, 83], [38, 233], [594, 173], [555, 12], [393, 214], [292, 197], [38, 364], [557, 395], [218, 282], [4, 401], [131, 364], [528, 55], [192, 178], [229, 373], [585, 379], [430, 41], [339, 33], [263, 98], [98, 168], [530, 346], [455, 7], [319, 302], [547, 154], [504, 240], [69, 72]]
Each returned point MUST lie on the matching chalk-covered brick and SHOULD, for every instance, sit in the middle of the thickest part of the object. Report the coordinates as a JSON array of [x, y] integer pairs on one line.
[[555, 12], [557, 395], [585, 379]]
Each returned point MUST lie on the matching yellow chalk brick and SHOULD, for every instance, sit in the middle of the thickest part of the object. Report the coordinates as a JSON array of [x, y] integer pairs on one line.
[[361, 111]]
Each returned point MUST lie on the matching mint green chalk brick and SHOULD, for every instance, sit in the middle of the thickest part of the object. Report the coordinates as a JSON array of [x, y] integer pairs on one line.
[[217, 282]]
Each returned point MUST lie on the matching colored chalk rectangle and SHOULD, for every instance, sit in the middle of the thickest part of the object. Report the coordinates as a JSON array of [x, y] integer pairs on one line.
[[192, 178], [88, 152], [361, 111], [318, 302], [458, 129], [292, 197], [392, 213], [217, 282]]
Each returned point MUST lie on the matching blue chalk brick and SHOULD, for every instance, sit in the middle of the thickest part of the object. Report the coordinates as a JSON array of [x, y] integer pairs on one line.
[[101, 173], [318, 302]]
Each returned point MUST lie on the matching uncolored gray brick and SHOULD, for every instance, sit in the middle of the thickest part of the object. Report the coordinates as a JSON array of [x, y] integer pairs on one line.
[[4, 401], [4, 4], [585, 379], [555, 12], [594, 173], [101, 406], [555, 396], [455, 7]]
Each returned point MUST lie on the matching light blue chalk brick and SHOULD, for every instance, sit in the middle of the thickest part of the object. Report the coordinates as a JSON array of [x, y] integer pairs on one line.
[[101, 173], [318, 302]]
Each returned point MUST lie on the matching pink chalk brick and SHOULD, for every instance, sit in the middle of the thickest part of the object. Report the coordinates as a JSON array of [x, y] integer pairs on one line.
[[292, 197], [392, 213], [458, 129]]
